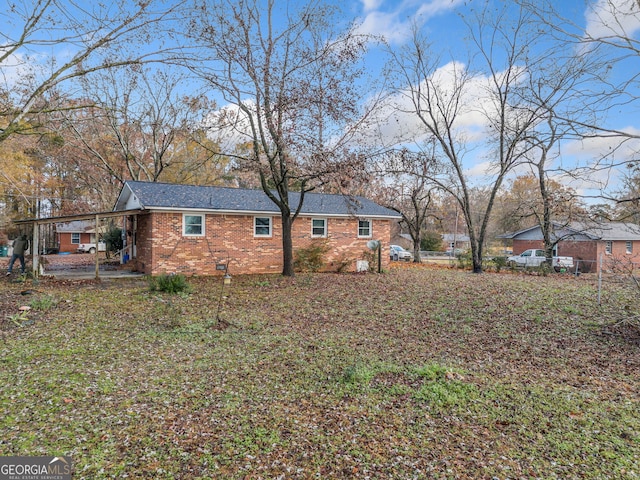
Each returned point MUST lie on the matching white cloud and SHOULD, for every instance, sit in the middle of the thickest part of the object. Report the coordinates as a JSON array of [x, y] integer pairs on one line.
[[395, 25], [369, 5], [229, 126], [613, 17], [15, 67], [385, 25], [436, 7], [396, 122], [614, 148]]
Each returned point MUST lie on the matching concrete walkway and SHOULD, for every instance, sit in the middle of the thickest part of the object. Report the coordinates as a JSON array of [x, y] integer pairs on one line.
[[76, 267]]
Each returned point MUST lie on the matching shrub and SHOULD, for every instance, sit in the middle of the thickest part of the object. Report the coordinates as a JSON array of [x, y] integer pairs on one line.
[[464, 261], [169, 283], [343, 263], [431, 242], [113, 239], [311, 258], [371, 256], [44, 302], [499, 262]]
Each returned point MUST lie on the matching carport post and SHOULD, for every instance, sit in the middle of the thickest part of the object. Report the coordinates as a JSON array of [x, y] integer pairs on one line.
[[35, 248], [97, 251]]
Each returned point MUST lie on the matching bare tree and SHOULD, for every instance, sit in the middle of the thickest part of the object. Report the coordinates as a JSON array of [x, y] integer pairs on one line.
[[408, 190], [608, 40], [288, 74], [444, 103], [140, 125], [98, 36]]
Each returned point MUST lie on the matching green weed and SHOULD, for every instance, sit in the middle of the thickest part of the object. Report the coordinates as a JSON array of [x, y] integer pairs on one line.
[[169, 284], [44, 302]]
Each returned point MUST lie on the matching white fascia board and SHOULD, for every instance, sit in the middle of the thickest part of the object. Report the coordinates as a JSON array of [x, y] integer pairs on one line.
[[271, 213]]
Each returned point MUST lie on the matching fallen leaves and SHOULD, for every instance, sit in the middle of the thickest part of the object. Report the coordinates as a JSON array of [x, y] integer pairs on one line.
[[415, 373]]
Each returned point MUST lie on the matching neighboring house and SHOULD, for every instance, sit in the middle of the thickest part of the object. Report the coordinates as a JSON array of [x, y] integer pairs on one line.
[[195, 230], [71, 234], [616, 242], [458, 241]]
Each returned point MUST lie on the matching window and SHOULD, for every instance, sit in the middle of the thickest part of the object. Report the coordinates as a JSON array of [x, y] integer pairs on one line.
[[193, 225], [607, 247], [75, 238], [364, 228], [318, 227], [262, 226], [629, 246]]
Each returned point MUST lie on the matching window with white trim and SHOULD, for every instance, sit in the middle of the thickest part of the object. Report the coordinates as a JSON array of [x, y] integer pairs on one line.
[[364, 228], [608, 247], [318, 227], [629, 246], [75, 238], [261, 226], [192, 225]]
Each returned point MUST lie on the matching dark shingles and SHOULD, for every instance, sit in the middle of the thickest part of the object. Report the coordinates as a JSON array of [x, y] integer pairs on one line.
[[167, 195]]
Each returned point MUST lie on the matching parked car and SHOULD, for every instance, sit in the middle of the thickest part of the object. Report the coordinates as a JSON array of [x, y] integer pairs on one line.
[[91, 247], [396, 252], [535, 257]]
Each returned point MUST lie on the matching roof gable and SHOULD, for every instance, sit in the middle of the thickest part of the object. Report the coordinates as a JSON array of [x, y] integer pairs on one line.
[[168, 196], [75, 226]]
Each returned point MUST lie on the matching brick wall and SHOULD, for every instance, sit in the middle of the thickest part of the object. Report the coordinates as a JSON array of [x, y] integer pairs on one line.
[[587, 253], [65, 245], [161, 247]]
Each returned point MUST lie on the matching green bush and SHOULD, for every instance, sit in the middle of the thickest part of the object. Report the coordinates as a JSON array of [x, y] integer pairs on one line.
[[499, 263], [113, 239], [311, 258], [169, 284], [44, 302], [431, 242], [464, 261]]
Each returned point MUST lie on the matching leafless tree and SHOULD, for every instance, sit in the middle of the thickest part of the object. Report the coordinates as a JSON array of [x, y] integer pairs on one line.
[[85, 38], [288, 74], [488, 87], [609, 37], [406, 188], [140, 125]]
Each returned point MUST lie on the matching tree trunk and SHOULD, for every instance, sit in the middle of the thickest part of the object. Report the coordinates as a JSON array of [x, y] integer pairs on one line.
[[287, 245]]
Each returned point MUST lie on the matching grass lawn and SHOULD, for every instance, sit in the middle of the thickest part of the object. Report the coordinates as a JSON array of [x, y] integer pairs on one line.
[[416, 373]]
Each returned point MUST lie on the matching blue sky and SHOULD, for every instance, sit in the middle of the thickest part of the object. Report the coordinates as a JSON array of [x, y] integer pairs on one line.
[[440, 20]]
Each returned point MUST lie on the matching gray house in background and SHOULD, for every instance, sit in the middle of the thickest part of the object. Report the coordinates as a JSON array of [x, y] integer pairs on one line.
[[586, 242], [458, 241]]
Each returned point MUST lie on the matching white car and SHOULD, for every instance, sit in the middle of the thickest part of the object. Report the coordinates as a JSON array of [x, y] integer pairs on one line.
[[396, 252]]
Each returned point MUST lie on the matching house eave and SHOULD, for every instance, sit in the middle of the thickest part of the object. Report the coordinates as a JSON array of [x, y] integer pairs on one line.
[[274, 213]]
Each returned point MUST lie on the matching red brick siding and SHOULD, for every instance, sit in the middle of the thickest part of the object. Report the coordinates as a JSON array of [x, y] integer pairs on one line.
[[587, 252], [161, 247], [64, 241]]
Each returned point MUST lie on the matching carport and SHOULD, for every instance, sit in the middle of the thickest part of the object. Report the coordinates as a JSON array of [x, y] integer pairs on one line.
[[96, 217]]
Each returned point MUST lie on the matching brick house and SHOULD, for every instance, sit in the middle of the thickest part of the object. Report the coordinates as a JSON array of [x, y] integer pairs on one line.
[[615, 241], [194, 230], [71, 234]]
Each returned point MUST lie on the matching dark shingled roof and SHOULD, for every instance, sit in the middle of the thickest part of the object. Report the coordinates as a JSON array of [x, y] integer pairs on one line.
[[167, 195]]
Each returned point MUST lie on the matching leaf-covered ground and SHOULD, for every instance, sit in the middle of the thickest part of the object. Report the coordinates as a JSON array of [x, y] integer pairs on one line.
[[416, 373]]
